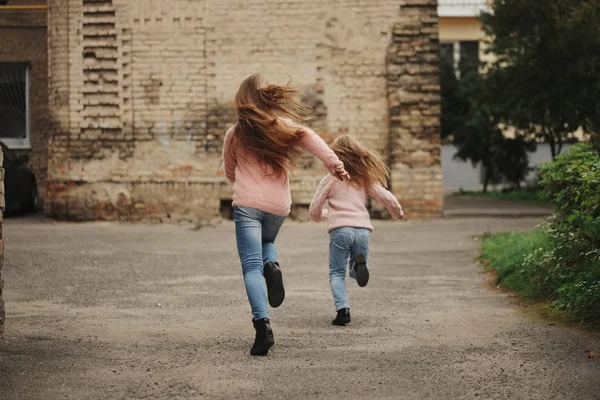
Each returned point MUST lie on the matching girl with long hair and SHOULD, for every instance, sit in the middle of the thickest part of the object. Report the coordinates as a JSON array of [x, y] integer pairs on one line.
[[259, 152], [348, 219]]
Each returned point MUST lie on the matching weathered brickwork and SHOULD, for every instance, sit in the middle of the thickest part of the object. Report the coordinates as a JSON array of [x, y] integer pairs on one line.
[[414, 99], [24, 40], [141, 94]]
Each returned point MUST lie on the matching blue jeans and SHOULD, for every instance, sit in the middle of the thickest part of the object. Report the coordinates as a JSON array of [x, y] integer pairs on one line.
[[345, 243], [255, 232]]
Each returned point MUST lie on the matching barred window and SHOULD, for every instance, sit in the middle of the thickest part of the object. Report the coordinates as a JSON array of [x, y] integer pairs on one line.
[[14, 104]]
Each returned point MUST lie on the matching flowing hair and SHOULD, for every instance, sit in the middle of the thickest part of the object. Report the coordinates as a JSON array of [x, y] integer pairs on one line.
[[260, 108], [365, 167]]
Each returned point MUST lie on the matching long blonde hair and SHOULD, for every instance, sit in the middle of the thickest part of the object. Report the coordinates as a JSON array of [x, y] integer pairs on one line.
[[365, 166], [259, 107]]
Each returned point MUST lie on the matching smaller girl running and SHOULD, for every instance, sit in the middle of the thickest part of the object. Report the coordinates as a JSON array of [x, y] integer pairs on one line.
[[349, 223]]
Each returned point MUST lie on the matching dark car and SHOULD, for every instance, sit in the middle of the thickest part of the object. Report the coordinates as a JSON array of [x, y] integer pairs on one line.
[[20, 187]]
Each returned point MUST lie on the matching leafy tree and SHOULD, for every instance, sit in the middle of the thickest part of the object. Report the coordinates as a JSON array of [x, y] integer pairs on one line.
[[481, 140], [455, 103], [469, 122], [545, 80]]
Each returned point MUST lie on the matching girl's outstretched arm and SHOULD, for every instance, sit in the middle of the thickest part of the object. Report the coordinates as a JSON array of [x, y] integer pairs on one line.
[[387, 199], [316, 211], [229, 157], [317, 146]]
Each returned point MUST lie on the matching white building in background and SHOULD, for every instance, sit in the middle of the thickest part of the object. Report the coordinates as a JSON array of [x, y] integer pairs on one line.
[[461, 33], [461, 8]]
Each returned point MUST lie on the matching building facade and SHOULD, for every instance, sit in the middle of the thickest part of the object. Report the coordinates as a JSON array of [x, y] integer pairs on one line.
[[461, 33], [140, 97], [24, 82]]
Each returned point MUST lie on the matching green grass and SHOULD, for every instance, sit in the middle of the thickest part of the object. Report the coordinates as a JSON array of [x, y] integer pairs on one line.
[[549, 265], [505, 253], [521, 195]]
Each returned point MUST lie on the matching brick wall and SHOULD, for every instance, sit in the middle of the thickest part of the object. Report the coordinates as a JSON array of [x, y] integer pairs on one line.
[[414, 99], [24, 40], [140, 94]]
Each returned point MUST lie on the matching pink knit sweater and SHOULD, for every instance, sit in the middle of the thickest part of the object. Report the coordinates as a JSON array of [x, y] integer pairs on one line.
[[347, 204], [255, 185]]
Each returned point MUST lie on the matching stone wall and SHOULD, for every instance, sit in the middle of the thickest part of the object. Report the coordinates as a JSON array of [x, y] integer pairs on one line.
[[414, 99], [24, 40], [140, 94]]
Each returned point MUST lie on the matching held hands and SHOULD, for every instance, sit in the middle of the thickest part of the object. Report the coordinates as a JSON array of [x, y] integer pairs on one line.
[[401, 215], [340, 172]]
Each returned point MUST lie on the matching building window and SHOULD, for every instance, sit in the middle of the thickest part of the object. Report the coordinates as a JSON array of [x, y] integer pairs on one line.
[[14, 105], [464, 54]]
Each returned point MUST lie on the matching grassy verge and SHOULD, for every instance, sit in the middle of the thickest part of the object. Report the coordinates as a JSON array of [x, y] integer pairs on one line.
[[541, 265], [505, 253], [522, 195]]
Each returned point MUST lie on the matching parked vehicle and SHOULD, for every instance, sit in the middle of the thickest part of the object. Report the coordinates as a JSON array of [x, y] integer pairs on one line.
[[20, 186]]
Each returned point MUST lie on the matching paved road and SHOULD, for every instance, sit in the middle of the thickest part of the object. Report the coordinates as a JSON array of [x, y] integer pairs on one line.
[[83, 320]]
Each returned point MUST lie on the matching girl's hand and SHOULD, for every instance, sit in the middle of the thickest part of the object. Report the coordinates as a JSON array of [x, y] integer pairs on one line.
[[341, 173]]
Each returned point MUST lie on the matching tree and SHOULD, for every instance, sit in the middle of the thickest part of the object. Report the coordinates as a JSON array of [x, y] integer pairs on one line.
[[545, 80], [469, 122], [455, 103], [480, 138]]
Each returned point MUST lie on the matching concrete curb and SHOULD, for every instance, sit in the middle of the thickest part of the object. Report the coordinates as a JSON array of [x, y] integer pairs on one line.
[[495, 214]]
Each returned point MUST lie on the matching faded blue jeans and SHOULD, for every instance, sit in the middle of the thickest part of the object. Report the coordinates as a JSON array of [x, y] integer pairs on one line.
[[344, 243], [255, 232]]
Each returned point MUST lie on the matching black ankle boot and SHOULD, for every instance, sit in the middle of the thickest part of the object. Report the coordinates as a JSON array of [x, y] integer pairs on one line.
[[361, 270], [274, 280], [342, 317], [264, 339]]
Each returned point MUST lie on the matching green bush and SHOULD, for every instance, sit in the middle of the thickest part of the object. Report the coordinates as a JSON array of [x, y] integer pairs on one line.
[[550, 263], [572, 184], [560, 261]]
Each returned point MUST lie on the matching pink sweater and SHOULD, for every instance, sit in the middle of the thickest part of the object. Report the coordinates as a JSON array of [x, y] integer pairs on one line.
[[255, 185], [347, 204]]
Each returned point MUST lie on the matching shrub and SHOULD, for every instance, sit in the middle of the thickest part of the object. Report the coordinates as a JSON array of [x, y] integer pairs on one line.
[[572, 184], [551, 263], [560, 261]]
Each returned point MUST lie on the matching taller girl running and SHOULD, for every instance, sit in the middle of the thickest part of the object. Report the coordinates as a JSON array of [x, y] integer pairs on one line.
[[258, 152]]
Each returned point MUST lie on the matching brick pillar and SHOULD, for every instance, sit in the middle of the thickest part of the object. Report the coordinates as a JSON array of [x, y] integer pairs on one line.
[[59, 100], [414, 101], [1, 248]]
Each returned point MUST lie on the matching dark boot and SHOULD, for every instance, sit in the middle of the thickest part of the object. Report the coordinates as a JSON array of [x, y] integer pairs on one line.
[[274, 281], [361, 270], [264, 339], [342, 318]]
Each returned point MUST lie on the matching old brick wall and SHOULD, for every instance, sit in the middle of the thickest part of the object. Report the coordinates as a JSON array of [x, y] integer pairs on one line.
[[24, 40], [414, 99], [139, 117]]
